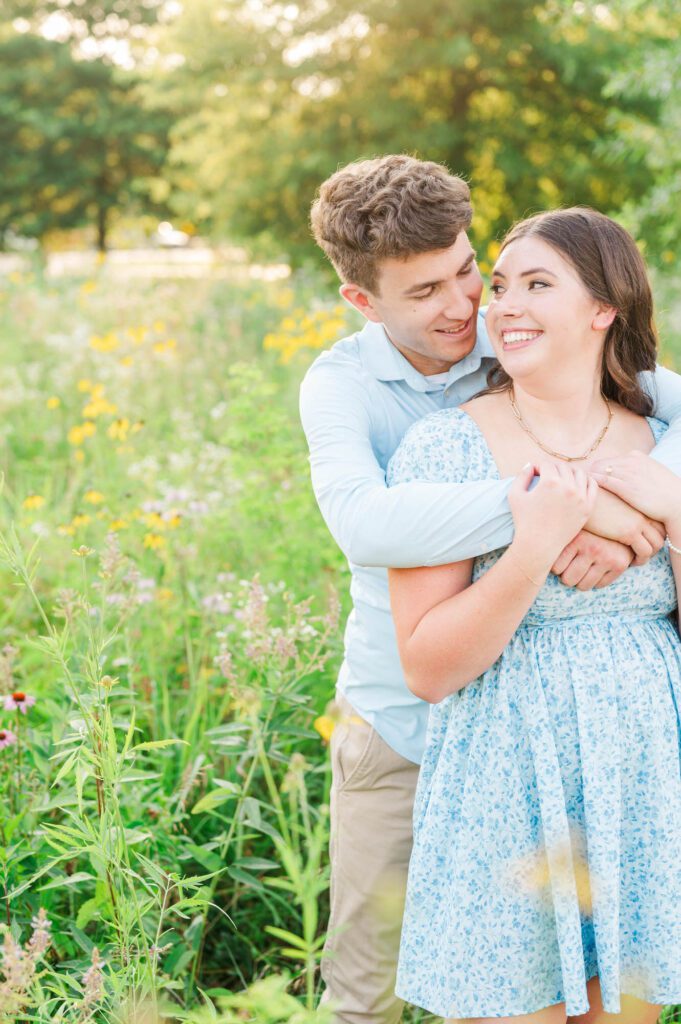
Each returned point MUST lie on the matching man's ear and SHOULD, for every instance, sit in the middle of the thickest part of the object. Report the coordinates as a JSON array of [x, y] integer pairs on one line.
[[604, 318], [362, 300]]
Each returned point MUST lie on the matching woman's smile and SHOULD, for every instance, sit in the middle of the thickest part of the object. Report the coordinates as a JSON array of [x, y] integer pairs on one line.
[[516, 337]]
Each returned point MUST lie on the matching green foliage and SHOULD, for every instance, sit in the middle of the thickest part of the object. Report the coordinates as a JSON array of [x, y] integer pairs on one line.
[[76, 141], [510, 95], [166, 799]]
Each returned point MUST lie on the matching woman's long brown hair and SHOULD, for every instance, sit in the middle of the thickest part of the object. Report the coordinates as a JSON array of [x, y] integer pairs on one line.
[[613, 272]]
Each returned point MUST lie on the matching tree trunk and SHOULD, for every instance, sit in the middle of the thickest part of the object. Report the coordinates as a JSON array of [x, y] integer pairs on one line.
[[101, 228]]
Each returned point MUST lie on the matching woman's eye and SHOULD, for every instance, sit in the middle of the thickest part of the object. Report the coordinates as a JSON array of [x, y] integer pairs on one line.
[[496, 289], [534, 285]]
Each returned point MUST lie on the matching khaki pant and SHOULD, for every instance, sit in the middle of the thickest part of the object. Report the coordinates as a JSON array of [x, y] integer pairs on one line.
[[372, 797]]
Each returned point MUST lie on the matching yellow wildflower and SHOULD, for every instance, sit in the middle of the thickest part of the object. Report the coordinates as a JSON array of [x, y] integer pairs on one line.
[[66, 531], [33, 501], [88, 287], [153, 541], [83, 551], [78, 434], [164, 594], [165, 346], [99, 407], [53, 402], [118, 524], [118, 430], [84, 384], [104, 342], [81, 519], [325, 725], [93, 497], [158, 326], [126, 361], [137, 334]]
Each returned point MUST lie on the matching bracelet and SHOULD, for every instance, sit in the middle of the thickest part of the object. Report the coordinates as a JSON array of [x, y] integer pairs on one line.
[[525, 574], [672, 547]]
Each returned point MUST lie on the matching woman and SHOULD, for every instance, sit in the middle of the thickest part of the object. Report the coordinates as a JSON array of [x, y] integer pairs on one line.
[[545, 881]]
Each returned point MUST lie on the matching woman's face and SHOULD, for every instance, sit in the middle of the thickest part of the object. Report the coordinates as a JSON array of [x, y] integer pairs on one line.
[[540, 316]]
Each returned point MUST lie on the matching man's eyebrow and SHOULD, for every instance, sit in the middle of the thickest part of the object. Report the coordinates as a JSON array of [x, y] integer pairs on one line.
[[430, 284], [526, 273]]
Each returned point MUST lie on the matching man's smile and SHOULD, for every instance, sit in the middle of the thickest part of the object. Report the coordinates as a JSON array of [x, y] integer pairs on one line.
[[455, 332]]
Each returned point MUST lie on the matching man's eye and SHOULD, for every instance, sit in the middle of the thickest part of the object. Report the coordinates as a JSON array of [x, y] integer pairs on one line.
[[425, 295]]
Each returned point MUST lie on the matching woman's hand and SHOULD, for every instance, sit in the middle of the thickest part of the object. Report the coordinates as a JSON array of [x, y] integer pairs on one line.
[[551, 514], [644, 483]]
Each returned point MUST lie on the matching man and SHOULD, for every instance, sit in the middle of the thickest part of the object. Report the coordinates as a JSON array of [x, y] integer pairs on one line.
[[395, 230]]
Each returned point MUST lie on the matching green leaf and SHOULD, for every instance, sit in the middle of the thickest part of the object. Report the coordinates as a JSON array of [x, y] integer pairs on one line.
[[214, 799]]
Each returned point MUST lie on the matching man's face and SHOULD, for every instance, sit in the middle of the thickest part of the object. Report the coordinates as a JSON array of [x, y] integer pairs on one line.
[[428, 304]]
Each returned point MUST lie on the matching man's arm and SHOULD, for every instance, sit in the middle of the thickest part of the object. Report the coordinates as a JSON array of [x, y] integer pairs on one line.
[[664, 387], [408, 525]]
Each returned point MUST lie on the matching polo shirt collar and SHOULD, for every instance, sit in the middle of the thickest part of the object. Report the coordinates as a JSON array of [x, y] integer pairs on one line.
[[382, 360]]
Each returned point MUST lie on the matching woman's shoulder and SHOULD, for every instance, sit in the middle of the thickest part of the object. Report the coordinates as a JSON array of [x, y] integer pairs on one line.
[[441, 447], [637, 424]]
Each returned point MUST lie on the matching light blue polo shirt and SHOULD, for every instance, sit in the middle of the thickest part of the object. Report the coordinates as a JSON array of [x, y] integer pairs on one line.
[[356, 402]]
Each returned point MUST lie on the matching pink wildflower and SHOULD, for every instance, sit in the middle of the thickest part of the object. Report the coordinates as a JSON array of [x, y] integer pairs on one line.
[[19, 701], [7, 738]]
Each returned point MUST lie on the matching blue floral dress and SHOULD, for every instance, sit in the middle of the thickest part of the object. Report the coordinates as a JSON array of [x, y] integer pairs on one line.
[[547, 823]]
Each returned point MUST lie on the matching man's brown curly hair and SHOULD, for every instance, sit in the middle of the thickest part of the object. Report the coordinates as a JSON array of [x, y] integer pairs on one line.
[[389, 207]]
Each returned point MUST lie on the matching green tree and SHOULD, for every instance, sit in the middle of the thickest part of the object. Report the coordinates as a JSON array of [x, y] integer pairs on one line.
[[653, 75], [76, 139], [511, 95]]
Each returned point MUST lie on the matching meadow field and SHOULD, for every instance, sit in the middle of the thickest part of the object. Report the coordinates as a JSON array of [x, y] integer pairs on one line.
[[171, 616]]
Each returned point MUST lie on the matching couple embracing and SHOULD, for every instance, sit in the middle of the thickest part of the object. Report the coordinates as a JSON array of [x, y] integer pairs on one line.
[[505, 488]]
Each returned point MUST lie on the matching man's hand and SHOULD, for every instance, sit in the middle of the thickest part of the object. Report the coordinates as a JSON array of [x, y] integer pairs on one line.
[[590, 562], [615, 520]]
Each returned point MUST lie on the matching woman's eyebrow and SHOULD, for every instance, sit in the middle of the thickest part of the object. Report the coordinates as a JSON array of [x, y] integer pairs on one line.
[[526, 273]]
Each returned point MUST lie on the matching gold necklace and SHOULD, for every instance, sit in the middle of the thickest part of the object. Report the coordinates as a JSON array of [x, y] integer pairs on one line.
[[549, 451]]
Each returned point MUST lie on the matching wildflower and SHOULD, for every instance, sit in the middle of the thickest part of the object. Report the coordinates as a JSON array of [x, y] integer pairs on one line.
[[154, 541], [81, 519], [41, 937], [107, 682], [137, 334], [118, 524], [126, 361], [88, 287], [53, 402], [83, 551], [104, 343], [118, 430], [78, 434], [33, 501], [325, 725], [93, 497], [19, 701], [98, 407], [7, 738], [225, 663], [66, 530], [84, 385], [165, 346], [93, 981]]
